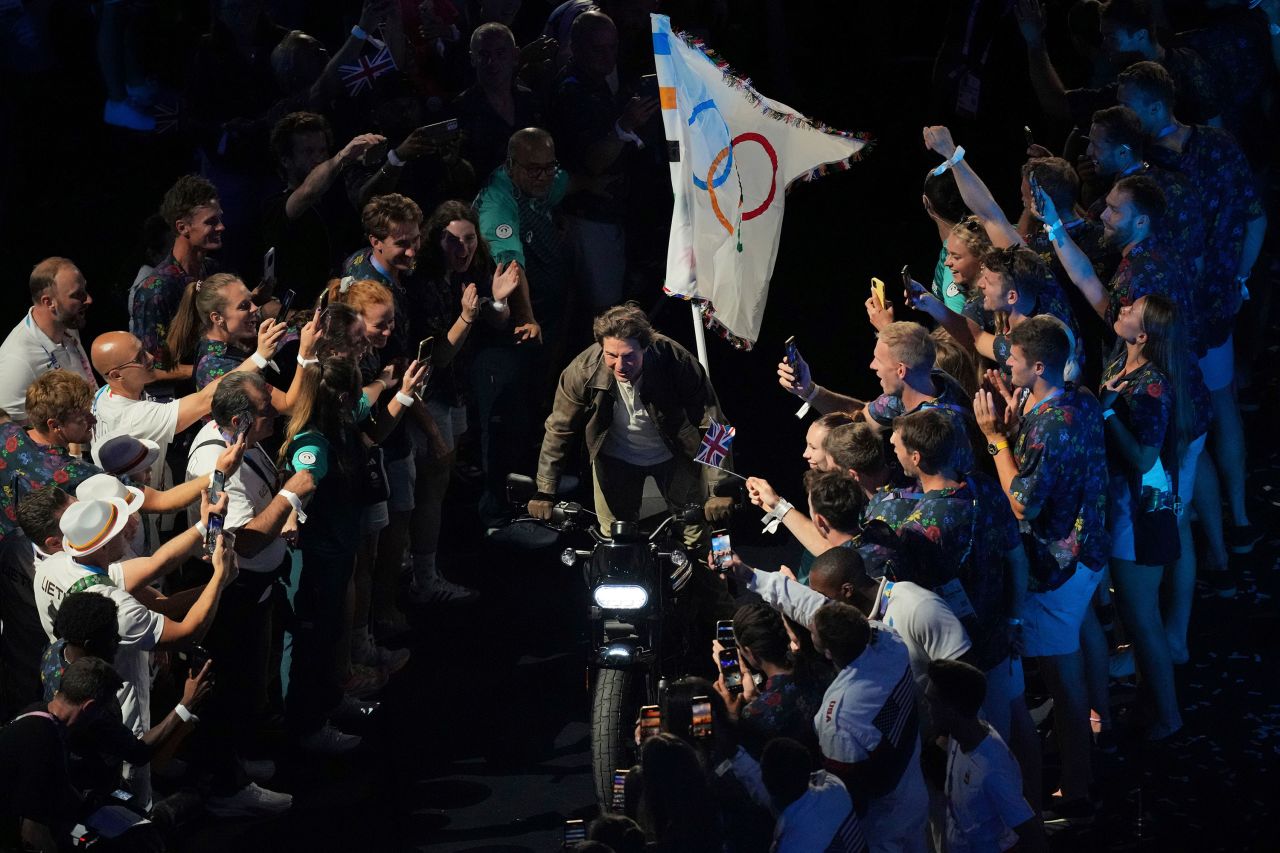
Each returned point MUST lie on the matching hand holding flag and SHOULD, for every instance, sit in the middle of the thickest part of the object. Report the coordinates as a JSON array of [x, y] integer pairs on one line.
[[715, 447]]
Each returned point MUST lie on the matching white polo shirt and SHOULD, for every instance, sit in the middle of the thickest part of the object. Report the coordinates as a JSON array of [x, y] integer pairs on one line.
[[140, 629], [984, 797], [27, 354], [247, 492], [144, 418]]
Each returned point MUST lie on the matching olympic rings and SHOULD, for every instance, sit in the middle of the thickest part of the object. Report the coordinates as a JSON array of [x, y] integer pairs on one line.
[[727, 151], [710, 185]]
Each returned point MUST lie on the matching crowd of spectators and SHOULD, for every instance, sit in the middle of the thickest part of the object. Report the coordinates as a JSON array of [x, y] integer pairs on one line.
[[366, 292]]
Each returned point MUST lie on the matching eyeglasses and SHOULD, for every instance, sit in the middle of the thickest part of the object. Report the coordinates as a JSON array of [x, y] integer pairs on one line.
[[141, 360], [540, 169]]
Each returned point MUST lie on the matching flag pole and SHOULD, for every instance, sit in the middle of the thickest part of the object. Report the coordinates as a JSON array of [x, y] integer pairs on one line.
[[700, 336]]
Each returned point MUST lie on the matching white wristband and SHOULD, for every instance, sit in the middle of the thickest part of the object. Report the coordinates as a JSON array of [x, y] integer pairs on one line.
[[295, 502], [259, 360], [774, 516], [303, 362], [404, 399], [358, 32], [394, 159], [202, 529], [950, 161], [185, 714], [499, 304]]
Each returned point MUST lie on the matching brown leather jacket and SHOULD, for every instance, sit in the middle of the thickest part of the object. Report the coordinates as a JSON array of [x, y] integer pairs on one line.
[[676, 391]]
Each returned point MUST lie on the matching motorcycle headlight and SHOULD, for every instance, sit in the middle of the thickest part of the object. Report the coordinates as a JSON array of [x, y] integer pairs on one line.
[[620, 596]]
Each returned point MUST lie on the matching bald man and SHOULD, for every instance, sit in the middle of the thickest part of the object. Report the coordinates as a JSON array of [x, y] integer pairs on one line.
[[518, 207], [48, 337], [121, 407]]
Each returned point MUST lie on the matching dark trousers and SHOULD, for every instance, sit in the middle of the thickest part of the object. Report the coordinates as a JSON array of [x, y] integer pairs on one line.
[[239, 644], [502, 379], [318, 608]]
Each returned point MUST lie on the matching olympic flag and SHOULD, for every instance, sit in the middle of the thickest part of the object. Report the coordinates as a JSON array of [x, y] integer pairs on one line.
[[733, 152]]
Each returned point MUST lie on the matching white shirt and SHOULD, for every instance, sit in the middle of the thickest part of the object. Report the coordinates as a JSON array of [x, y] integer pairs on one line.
[[247, 493], [119, 415], [811, 822], [27, 354], [633, 436], [984, 797], [140, 629], [926, 624]]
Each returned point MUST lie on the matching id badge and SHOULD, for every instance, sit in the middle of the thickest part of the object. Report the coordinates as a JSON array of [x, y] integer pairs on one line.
[[967, 95]]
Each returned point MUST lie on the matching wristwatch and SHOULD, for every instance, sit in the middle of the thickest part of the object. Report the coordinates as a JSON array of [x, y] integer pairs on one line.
[[994, 449]]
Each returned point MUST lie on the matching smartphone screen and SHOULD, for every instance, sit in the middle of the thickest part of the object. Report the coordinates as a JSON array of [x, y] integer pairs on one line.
[[731, 670], [650, 721], [324, 299], [574, 831], [721, 549], [211, 537], [424, 349], [700, 726], [1028, 135], [218, 486], [724, 633], [269, 264], [440, 129], [619, 802]]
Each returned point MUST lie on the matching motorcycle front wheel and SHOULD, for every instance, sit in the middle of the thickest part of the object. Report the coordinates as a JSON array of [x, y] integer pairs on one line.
[[615, 707]]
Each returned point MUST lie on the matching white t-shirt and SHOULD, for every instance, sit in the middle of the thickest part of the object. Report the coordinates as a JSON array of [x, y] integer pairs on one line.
[[248, 494], [633, 436], [812, 822], [140, 629], [139, 418], [927, 625], [984, 797], [27, 354]]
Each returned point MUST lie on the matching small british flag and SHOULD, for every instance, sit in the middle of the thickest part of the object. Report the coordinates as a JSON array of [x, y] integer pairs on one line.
[[715, 445], [360, 76]]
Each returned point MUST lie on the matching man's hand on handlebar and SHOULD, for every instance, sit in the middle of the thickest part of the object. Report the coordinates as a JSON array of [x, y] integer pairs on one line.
[[541, 506], [717, 510]]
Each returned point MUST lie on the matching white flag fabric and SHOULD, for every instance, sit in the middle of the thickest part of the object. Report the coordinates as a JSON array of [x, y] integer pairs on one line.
[[733, 153]]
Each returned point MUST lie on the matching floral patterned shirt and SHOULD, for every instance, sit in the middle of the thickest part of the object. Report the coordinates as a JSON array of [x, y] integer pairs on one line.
[[1213, 163], [967, 533], [951, 399], [784, 708], [1062, 480], [892, 504], [215, 359], [155, 303], [1145, 404], [1152, 267], [26, 465]]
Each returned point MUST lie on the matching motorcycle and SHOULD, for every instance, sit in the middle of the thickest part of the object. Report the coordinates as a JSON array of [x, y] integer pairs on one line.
[[638, 632]]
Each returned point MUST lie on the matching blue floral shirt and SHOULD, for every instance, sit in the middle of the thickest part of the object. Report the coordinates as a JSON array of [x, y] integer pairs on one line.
[[1061, 455], [155, 303], [26, 465], [952, 399], [215, 359], [1152, 267]]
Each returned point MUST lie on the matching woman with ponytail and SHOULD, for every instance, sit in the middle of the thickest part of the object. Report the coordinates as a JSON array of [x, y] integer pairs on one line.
[[1155, 408], [217, 324]]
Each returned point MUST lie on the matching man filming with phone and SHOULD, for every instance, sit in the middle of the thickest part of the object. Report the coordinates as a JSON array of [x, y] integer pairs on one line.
[[641, 401]]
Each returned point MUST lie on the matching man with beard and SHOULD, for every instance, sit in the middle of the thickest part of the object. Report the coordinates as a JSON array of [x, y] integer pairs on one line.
[[48, 338], [1147, 265], [192, 209]]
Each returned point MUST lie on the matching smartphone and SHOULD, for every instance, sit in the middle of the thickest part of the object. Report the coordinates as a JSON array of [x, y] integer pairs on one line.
[[440, 130], [196, 657], [269, 264], [910, 289], [619, 802], [793, 352], [1035, 196], [721, 550], [324, 299], [731, 669], [425, 350], [1028, 135], [650, 721], [700, 724], [574, 831], [286, 302], [724, 633], [648, 86], [211, 536], [877, 290]]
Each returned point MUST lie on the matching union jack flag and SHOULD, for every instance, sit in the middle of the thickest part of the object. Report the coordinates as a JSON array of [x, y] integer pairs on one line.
[[715, 445], [360, 76]]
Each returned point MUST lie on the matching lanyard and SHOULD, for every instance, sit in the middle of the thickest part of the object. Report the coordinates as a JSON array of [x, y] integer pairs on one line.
[[1047, 398], [68, 344]]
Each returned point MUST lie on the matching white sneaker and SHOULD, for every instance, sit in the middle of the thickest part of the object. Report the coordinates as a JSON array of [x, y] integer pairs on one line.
[[249, 801], [125, 114], [327, 740], [436, 590], [259, 770]]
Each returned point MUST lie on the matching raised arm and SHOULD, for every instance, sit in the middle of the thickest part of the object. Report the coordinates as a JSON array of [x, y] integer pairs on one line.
[[974, 192], [1077, 264], [1044, 77], [318, 181], [192, 627]]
